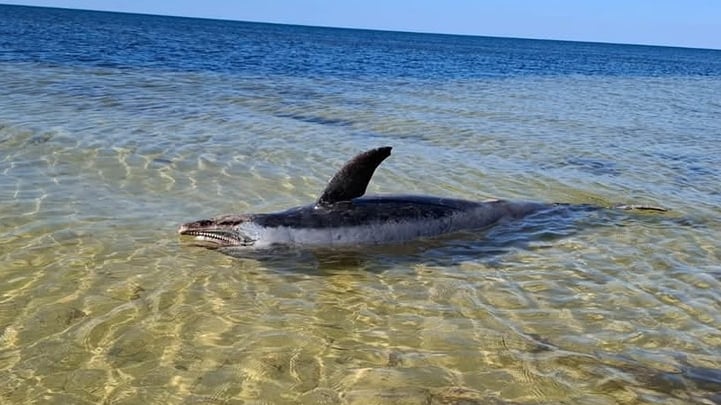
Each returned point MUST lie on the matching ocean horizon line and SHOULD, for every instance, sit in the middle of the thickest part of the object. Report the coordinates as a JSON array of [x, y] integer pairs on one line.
[[370, 29]]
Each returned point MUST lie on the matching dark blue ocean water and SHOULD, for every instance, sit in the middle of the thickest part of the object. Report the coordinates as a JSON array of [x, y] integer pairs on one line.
[[115, 128], [87, 38]]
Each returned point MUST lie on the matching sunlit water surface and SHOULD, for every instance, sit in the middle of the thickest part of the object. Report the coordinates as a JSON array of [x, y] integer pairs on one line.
[[100, 302]]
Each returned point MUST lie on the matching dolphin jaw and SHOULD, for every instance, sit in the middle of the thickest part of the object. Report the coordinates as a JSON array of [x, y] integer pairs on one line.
[[212, 235]]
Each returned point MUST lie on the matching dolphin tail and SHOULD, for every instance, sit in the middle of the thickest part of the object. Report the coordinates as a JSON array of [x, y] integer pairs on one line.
[[637, 207]]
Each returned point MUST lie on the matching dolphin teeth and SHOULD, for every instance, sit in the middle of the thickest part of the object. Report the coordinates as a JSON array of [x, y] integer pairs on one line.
[[211, 236]]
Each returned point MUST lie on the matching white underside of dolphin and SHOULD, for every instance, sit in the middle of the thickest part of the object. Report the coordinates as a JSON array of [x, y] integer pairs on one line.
[[388, 231]]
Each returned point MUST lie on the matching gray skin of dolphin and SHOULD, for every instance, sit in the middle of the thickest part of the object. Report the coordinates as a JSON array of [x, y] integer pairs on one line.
[[343, 216]]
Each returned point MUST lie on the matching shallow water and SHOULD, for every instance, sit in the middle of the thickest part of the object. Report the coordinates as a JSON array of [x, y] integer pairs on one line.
[[103, 155]]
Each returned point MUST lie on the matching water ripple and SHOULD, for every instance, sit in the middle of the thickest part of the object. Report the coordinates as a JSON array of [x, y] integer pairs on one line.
[[101, 161]]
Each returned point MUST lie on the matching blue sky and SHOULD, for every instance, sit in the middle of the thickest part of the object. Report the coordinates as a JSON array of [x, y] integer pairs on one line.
[[690, 23]]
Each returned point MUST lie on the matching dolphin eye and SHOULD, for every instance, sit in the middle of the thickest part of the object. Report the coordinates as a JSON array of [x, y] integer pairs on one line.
[[229, 222]]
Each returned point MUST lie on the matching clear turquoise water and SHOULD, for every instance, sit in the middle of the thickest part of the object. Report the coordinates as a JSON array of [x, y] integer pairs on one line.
[[116, 128]]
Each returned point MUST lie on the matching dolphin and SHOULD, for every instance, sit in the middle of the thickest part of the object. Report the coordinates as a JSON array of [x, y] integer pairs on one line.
[[344, 216]]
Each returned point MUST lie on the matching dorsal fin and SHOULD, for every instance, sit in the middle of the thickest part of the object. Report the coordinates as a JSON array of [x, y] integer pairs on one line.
[[352, 179]]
